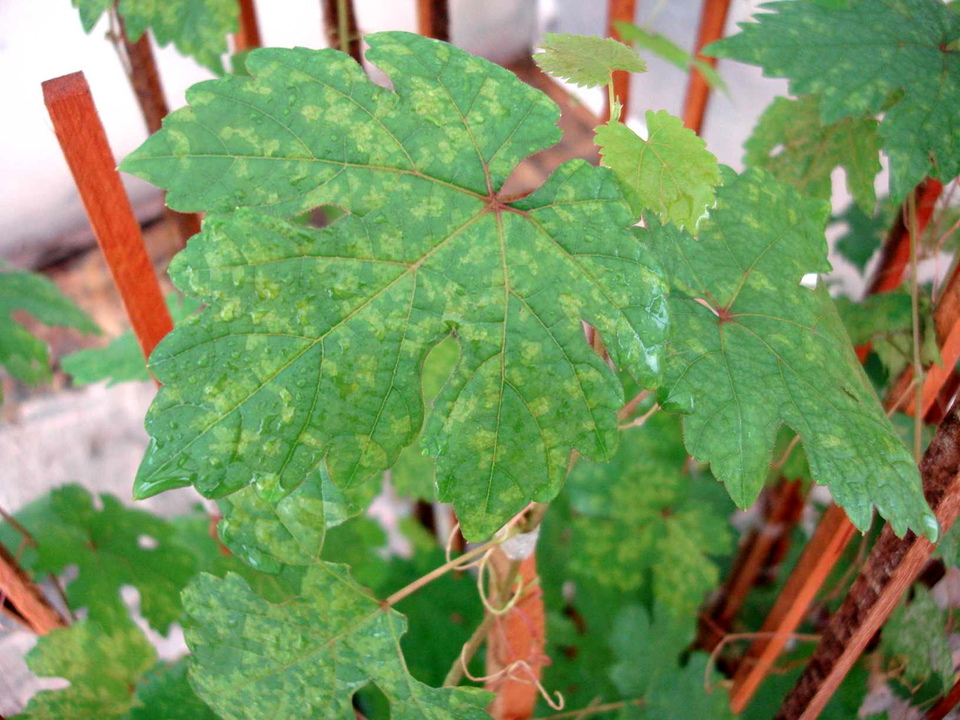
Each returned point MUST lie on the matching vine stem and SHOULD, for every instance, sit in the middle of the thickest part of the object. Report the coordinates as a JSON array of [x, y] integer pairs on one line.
[[343, 26], [593, 710], [915, 321]]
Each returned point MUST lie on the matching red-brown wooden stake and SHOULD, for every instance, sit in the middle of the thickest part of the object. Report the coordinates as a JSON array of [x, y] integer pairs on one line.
[[332, 24], [620, 11], [248, 37], [85, 147], [890, 569], [433, 19], [713, 19], [17, 587]]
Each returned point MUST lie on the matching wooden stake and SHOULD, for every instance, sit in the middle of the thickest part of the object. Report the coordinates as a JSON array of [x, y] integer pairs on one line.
[[713, 19], [333, 23], [620, 11], [26, 597], [85, 147], [433, 19], [248, 37], [890, 569]]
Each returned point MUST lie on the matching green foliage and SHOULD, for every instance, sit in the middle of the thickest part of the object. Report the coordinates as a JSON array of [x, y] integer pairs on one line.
[[111, 547], [197, 28], [898, 57], [309, 655], [670, 173], [790, 143], [643, 515], [122, 360], [752, 349], [585, 60], [864, 232], [164, 693], [914, 641], [666, 49], [23, 355], [102, 665], [313, 341]]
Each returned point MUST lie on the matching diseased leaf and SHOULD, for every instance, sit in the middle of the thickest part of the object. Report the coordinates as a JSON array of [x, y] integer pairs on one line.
[[112, 547], [103, 667], [313, 341], [898, 57], [164, 693], [586, 60], [668, 50], [643, 515], [122, 360], [197, 28], [308, 656], [23, 355], [790, 143], [670, 173], [914, 640], [752, 349]]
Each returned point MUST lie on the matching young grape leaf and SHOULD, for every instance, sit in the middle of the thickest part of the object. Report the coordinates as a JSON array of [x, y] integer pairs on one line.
[[864, 233], [24, 356], [122, 360], [898, 57], [112, 547], [668, 50], [197, 28], [308, 656], [643, 515], [753, 349], [103, 667], [790, 142], [915, 640], [586, 60], [671, 172], [313, 341], [164, 693]]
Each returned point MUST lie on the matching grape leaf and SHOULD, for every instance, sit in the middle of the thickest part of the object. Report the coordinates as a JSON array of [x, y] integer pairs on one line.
[[671, 172], [642, 514], [103, 667], [586, 60], [164, 693], [313, 340], [790, 142], [898, 57], [915, 640], [308, 656], [122, 360], [197, 28], [24, 356], [753, 349], [668, 50], [107, 548], [864, 232]]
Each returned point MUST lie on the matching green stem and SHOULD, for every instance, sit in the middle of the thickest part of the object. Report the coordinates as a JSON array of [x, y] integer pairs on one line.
[[611, 100], [343, 26]]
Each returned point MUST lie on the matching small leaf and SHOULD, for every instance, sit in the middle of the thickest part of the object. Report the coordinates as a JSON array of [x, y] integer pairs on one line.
[[864, 232], [790, 143], [670, 173], [308, 656], [915, 641], [586, 60], [752, 350], [668, 50], [103, 668]]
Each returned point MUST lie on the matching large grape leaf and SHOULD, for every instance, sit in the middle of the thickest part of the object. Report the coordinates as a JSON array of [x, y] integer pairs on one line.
[[307, 656], [643, 515], [586, 60], [791, 143], [899, 57], [312, 344], [111, 547], [197, 28], [752, 349], [103, 667], [23, 355], [671, 172]]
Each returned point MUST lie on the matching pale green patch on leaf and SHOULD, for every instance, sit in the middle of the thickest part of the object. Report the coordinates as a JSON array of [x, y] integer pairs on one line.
[[752, 349], [586, 60], [308, 656], [642, 515], [914, 640], [668, 50], [670, 173], [23, 355], [103, 667], [197, 28], [792, 144], [312, 345], [897, 57]]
